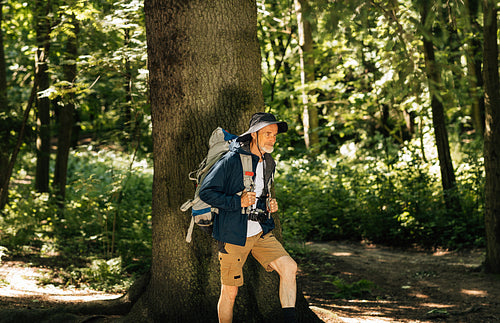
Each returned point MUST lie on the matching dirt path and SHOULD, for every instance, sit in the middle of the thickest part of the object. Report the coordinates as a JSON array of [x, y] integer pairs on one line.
[[19, 287], [409, 286]]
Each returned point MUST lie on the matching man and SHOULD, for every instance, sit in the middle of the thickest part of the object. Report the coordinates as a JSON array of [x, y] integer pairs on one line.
[[243, 224]]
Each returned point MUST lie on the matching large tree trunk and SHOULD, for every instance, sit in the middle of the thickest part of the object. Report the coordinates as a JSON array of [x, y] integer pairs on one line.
[[204, 65], [438, 117], [42, 25], [492, 137], [309, 112], [66, 115]]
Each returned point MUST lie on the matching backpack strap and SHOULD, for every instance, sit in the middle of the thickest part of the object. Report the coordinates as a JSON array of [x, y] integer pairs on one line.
[[246, 163], [190, 230]]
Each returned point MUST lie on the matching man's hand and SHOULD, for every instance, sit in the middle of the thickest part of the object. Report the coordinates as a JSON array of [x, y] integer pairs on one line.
[[247, 199], [273, 205]]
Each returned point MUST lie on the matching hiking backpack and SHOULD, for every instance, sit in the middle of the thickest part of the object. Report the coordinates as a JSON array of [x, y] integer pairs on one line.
[[218, 146]]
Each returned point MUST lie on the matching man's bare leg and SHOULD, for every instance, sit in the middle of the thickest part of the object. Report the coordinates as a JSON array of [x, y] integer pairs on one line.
[[286, 267], [226, 303]]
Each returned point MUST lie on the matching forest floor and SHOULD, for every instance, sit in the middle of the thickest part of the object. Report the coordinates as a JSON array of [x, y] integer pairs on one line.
[[408, 285], [343, 282]]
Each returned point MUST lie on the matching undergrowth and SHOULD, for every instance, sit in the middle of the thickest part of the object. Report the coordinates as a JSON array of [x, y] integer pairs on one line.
[[106, 219], [361, 196], [353, 195]]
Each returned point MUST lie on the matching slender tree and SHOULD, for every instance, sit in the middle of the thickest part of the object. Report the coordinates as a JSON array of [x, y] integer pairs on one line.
[[3, 75], [4, 186], [438, 117], [474, 64], [306, 52], [4, 110], [128, 80], [42, 14], [204, 64], [66, 113], [492, 136]]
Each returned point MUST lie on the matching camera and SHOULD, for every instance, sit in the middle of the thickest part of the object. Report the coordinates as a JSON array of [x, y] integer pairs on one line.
[[258, 215]]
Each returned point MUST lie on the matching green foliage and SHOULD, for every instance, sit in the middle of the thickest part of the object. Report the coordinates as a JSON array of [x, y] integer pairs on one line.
[[349, 291], [109, 203], [107, 216], [359, 195], [110, 90], [105, 275], [376, 177]]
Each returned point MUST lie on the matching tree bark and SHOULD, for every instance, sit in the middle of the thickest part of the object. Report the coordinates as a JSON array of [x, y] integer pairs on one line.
[[4, 186], [5, 146], [66, 115], [204, 65], [473, 55], [309, 112], [42, 11], [3, 75], [127, 124], [492, 137], [438, 117]]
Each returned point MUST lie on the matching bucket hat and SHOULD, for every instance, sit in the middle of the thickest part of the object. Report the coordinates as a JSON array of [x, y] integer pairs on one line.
[[260, 120]]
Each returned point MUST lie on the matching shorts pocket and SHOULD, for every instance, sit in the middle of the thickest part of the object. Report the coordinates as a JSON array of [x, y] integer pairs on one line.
[[231, 269]]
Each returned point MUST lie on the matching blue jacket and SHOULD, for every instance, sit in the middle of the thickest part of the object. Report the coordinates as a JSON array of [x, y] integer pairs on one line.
[[220, 189]]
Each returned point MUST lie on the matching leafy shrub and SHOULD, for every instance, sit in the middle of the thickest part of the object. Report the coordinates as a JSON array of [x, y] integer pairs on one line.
[[362, 195], [107, 214], [104, 275], [349, 291]]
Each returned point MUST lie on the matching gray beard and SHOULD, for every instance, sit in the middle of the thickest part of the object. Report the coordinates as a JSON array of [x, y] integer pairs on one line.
[[269, 151]]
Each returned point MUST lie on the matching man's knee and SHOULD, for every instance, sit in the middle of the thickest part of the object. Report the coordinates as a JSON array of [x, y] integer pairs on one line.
[[291, 267], [285, 266]]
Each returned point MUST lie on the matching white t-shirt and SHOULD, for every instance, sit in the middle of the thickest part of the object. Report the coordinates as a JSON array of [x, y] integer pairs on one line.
[[254, 227]]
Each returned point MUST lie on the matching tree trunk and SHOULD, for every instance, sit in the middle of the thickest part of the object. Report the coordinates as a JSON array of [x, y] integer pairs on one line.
[[438, 117], [492, 137], [4, 186], [473, 55], [127, 123], [42, 25], [66, 119], [4, 120], [204, 65], [310, 112], [3, 75]]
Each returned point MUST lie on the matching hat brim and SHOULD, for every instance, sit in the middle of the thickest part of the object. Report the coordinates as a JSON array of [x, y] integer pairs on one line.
[[247, 136]]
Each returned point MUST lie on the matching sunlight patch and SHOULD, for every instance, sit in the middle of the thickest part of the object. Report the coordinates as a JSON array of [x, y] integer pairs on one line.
[[473, 292], [84, 298], [366, 319], [434, 305], [441, 252], [419, 295]]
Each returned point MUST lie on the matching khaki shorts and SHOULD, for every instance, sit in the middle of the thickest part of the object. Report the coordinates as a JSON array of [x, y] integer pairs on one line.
[[264, 249]]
